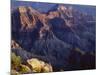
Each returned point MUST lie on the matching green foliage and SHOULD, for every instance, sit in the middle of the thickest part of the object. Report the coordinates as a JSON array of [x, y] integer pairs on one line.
[[36, 65], [15, 61], [24, 69]]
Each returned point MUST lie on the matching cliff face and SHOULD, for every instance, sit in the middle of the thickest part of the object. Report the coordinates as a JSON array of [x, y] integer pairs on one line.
[[54, 35], [27, 19]]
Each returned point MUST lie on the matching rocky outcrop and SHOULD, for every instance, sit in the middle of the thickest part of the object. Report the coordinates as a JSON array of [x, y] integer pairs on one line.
[[59, 38], [28, 20], [14, 44], [39, 66], [33, 65], [29, 17]]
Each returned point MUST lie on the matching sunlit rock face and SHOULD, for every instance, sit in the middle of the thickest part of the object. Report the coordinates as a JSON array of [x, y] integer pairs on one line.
[[14, 44], [63, 37]]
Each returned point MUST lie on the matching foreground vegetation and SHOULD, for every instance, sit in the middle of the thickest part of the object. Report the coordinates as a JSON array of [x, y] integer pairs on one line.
[[33, 65]]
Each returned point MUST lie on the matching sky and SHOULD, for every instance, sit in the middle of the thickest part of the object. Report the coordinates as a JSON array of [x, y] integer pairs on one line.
[[45, 6]]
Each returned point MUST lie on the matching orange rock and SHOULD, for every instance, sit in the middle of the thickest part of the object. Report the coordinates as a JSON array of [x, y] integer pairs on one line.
[[14, 44]]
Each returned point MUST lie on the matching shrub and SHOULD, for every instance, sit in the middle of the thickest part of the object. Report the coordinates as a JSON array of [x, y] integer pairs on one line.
[[39, 66], [15, 61], [24, 69]]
